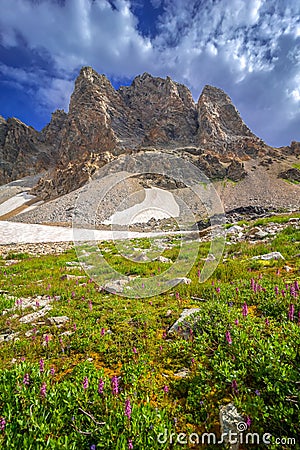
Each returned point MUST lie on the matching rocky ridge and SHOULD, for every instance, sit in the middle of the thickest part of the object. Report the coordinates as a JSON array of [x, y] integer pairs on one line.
[[152, 114]]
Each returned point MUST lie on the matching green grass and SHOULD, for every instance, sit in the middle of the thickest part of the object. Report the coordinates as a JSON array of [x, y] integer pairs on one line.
[[124, 337]]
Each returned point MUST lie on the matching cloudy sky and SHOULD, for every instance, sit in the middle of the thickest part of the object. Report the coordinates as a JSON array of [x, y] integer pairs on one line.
[[249, 48]]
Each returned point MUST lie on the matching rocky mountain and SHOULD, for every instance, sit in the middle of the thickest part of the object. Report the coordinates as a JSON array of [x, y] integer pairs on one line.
[[151, 114]]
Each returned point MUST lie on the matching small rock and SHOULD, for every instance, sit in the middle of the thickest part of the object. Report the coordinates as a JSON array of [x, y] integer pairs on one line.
[[180, 280], [287, 268], [116, 286], [235, 229], [185, 322], [163, 259], [269, 256], [58, 320], [182, 373], [169, 313], [232, 424], [36, 315]]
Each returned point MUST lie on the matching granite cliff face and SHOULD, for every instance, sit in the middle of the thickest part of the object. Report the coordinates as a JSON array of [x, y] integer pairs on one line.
[[102, 123], [21, 151]]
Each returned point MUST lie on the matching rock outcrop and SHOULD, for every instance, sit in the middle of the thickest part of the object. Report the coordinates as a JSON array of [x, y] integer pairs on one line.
[[102, 123], [22, 152]]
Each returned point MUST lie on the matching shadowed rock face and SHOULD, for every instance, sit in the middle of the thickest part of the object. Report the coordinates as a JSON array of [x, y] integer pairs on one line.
[[21, 151], [102, 123]]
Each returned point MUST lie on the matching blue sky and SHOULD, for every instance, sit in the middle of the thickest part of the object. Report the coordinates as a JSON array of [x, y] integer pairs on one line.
[[249, 48]]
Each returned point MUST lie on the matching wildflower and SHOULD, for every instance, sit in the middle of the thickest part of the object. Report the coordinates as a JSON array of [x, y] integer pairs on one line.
[[199, 273], [278, 272], [236, 321], [293, 291], [100, 386], [128, 408], [90, 305], [26, 380], [23, 358], [177, 296], [143, 285], [248, 421], [42, 365], [160, 348], [2, 423], [134, 350], [245, 309], [228, 337], [296, 285], [276, 290], [43, 390], [115, 385], [166, 389], [93, 447], [74, 327], [130, 445], [164, 335], [237, 290], [52, 371], [267, 322], [291, 312], [234, 387], [193, 361], [47, 339], [257, 392], [72, 294], [150, 303], [218, 290], [283, 293], [85, 383]]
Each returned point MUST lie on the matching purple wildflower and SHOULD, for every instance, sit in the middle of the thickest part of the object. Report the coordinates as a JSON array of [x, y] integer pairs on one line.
[[257, 392], [236, 321], [234, 387], [245, 309], [267, 322], [115, 385], [93, 447], [52, 371], [177, 296], [237, 290], [248, 421], [228, 337], [100, 386], [276, 290], [296, 285], [218, 290], [134, 350], [85, 383], [74, 327], [2, 423], [166, 389], [90, 305], [128, 408], [130, 445], [291, 312], [42, 365], [47, 339], [26, 380], [43, 390]]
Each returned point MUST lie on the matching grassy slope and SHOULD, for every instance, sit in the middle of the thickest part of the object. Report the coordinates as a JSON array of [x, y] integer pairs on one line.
[[263, 358]]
